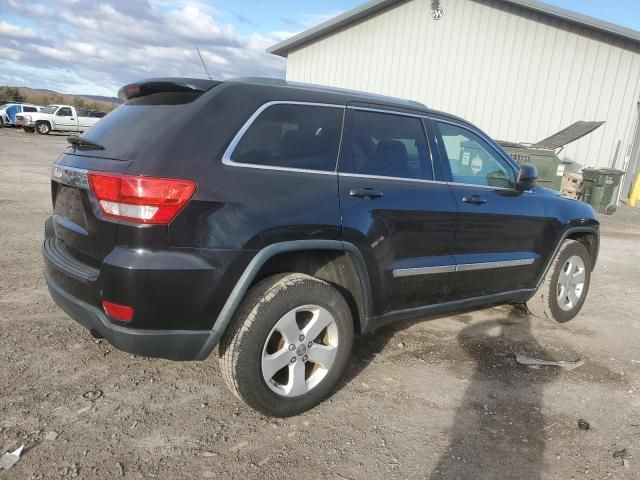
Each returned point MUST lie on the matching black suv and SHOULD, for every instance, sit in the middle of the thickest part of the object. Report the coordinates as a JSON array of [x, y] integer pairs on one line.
[[277, 220]]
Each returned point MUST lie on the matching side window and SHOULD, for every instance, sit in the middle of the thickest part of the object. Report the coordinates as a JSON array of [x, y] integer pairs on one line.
[[386, 144], [30, 109], [293, 136], [472, 160], [64, 112]]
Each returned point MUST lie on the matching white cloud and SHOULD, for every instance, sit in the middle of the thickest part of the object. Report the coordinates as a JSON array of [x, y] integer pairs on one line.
[[10, 30], [108, 43], [10, 54], [53, 53]]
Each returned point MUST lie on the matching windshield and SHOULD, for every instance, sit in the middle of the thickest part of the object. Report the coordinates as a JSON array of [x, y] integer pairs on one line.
[[49, 109], [2, 107]]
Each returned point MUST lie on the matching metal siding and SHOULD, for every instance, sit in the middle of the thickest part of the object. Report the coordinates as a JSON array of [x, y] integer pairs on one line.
[[517, 74]]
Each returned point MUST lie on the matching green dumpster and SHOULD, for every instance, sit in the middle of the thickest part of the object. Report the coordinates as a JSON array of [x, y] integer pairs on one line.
[[600, 188], [544, 154], [550, 167]]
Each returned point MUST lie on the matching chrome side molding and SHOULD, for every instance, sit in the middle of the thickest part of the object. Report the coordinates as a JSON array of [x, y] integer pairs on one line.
[[465, 267]]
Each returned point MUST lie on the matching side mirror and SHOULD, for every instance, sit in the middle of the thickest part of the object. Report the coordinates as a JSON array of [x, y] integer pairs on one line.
[[527, 177]]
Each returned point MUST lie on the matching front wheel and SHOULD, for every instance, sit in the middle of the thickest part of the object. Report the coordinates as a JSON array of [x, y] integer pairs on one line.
[[288, 344], [43, 128], [564, 289]]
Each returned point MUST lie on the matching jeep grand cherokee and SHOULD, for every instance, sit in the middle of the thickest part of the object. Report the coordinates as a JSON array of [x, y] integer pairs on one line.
[[277, 220]]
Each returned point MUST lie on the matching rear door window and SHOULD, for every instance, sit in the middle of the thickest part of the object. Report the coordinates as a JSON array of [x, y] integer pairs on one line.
[[386, 144], [293, 136]]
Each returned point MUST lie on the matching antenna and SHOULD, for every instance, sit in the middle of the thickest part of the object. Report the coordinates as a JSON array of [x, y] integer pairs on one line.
[[203, 64]]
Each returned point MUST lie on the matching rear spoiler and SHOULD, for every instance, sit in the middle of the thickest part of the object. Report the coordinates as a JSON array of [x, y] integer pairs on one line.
[[162, 85]]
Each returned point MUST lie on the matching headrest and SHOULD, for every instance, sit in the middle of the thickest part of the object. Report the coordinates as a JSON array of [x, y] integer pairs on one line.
[[392, 153]]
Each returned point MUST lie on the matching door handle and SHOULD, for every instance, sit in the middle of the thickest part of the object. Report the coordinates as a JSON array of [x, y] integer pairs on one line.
[[474, 200], [367, 193], [72, 119]]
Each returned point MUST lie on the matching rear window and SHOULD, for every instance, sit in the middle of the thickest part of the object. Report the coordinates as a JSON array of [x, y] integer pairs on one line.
[[130, 130], [293, 136]]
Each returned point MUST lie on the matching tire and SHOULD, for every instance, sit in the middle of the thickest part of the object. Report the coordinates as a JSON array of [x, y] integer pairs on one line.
[[255, 338], [43, 128], [550, 300], [1, 122], [29, 129]]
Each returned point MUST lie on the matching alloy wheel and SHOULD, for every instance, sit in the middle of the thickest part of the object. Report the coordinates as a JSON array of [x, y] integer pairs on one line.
[[571, 283], [300, 350]]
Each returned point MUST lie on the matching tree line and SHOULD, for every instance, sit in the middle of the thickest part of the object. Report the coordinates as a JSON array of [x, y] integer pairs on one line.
[[13, 94]]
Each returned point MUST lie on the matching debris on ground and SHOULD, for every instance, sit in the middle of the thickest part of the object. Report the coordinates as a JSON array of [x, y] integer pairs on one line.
[[533, 362], [92, 395], [623, 455], [239, 446], [120, 469], [9, 459], [51, 435], [583, 424]]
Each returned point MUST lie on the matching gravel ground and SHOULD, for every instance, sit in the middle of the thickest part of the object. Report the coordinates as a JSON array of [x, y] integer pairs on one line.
[[437, 399]]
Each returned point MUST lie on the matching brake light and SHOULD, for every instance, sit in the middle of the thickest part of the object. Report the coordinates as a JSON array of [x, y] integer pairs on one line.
[[123, 313], [140, 199]]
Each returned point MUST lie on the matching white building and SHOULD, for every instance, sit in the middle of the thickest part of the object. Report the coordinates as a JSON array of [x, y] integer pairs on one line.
[[519, 69]]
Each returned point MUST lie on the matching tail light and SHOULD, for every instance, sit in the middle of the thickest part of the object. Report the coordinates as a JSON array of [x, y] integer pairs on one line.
[[140, 199]]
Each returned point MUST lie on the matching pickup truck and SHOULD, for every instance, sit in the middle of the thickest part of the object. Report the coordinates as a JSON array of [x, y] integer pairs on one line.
[[58, 118]]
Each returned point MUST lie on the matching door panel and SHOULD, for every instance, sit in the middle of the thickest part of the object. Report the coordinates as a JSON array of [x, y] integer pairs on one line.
[[406, 227], [502, 239], [65, 119], [500, 231]]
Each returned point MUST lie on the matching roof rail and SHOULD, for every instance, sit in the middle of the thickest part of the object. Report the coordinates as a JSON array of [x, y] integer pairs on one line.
[[279, 82]]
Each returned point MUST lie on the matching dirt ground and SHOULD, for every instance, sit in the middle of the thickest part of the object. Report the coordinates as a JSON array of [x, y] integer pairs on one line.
[[441, 398]]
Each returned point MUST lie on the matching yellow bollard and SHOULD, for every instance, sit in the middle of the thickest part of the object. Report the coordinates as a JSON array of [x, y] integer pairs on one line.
[[635, 192]]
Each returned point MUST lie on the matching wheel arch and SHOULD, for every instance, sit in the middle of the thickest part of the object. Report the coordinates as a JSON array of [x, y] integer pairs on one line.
[[588, 236], [331, 260], [43, 121]]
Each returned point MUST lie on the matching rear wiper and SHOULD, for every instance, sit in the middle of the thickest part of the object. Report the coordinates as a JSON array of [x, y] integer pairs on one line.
[[83, 144]]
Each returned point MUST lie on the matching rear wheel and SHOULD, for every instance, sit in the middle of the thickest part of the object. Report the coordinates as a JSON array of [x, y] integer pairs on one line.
[[564, 290], [43, 128], [288, 344]]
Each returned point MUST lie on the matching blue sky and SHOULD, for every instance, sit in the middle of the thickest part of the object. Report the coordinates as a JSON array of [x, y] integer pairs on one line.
[[95, 46]]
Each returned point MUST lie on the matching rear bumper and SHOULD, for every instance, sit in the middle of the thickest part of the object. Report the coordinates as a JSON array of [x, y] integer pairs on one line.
[[171, 344], [176, 296]]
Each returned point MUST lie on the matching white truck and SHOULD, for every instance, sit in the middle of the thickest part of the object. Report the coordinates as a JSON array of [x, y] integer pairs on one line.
[[58, 118]]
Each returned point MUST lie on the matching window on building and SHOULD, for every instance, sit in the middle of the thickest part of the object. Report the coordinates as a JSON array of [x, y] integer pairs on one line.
[[472, 159], [293, 136], [387, 145]]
